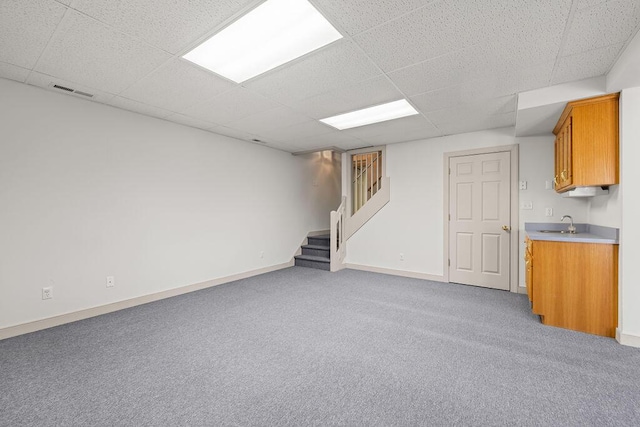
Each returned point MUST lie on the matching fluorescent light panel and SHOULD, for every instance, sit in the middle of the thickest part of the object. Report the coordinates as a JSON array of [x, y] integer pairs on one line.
[[274, 33], [367, 116]]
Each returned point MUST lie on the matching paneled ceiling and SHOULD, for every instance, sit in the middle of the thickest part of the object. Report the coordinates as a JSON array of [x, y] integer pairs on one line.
[[461, 63]]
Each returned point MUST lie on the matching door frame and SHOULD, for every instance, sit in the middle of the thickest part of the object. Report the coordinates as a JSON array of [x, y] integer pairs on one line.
[[513, 195]]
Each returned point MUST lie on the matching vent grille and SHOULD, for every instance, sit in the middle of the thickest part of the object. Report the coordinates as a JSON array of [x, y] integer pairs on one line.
[[63, 88], [88, 95], [70, 90]]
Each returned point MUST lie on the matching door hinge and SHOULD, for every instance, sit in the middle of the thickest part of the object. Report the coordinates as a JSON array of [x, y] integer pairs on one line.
[[449, 263]]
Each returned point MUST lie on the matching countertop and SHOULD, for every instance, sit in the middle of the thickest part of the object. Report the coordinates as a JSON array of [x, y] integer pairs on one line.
[[586, 233]]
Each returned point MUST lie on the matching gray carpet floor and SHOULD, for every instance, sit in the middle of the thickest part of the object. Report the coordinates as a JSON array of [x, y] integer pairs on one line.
[[307, 347]]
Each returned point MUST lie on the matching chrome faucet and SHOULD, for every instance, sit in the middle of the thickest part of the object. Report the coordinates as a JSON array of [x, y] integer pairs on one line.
[[571, 229]]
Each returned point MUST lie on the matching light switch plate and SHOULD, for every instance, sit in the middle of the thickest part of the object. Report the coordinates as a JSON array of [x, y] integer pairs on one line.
[[523, 185], [527, 206]]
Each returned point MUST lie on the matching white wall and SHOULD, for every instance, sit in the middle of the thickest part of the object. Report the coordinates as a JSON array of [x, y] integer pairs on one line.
[[629, 273], [324, 170], [412, 222], [537, 167], [606, 210], [87, 191]]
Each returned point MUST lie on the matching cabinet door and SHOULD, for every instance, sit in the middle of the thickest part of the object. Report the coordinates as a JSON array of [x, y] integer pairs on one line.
[[528, 265], [558, 161], [576, 286], [566, 174]]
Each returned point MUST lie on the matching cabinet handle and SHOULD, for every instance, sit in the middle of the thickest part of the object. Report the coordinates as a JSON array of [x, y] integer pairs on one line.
[[563, 175], [555, 181]]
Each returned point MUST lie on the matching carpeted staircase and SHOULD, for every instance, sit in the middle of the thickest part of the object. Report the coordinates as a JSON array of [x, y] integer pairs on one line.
[[315, 254]]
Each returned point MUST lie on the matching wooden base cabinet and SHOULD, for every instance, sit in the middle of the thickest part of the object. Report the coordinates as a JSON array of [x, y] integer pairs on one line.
[[574, 285]]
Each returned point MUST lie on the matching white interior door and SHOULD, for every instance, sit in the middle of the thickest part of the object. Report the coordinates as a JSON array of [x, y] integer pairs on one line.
[[479, 221]]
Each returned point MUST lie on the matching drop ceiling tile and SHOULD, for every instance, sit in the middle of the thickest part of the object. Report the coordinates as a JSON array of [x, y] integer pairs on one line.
[[434, 30], [189, 121], [473, 95], [488, 107], [360, 15], [467, 93], [177, 85], [605, 24], [514, 81], [327, 140], [138, 107], [392, 128], [378, 90], [477, 123], [336, 66], [530, 32], [587, 64], [264, 121], [85, 51], [448, 70], [307, 129], [46, 82], [414, 135], [167, 24], [231, 105], [583, 4], [13, 72], [25, 28]]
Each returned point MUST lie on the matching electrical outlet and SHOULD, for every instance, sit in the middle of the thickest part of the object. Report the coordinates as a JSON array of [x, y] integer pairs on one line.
[[526, 206], [523, 185], [47, 293], [548, 212], [401, 257], [111, 281], [262, 254], [547, 185]]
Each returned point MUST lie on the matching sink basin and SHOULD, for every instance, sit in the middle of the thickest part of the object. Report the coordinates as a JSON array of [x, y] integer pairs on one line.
[[556, 231]]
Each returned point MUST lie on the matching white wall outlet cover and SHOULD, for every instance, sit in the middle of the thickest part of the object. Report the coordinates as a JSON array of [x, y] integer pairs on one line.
[[111, 281], [526, 206], [523, 185], [547, 185], [47, 293], [401, 257], [548, 212]]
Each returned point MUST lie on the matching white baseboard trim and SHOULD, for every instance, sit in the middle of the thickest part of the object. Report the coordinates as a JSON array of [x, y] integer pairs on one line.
[[50, 322], [522, 289], [393, 272], [627, 339]]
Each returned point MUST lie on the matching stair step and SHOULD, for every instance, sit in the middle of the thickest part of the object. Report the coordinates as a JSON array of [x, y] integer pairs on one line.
[[310, 261], [323, 240], [320, 247], [316, 250]]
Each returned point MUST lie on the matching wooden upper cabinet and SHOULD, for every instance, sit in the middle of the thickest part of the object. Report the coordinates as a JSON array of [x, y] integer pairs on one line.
[[587, 147]]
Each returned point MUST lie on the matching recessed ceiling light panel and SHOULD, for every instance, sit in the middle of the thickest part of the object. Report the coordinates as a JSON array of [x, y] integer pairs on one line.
[[367, 116], [270, 35]]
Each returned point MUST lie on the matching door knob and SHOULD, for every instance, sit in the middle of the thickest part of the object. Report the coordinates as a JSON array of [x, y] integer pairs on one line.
[[506, 228]]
